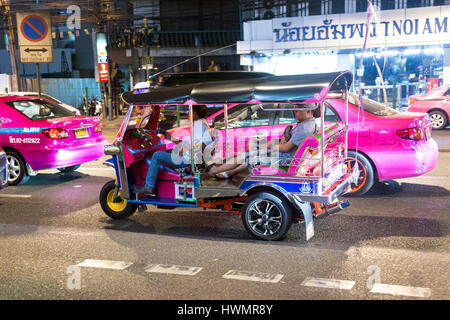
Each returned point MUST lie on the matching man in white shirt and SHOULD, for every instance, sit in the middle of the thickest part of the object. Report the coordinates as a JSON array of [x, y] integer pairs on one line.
[[179, 157]]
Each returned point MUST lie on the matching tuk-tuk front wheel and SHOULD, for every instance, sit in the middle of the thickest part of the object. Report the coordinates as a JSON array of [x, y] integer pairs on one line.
[[267, 216], [118, 208]]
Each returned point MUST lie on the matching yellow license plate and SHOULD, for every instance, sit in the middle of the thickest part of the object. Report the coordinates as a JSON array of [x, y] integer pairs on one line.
[[81, 133]]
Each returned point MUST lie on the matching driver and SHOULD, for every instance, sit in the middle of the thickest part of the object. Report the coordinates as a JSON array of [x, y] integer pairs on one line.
[[177, 158]]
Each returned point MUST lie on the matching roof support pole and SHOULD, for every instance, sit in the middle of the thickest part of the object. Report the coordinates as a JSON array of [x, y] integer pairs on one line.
[[191, 130], [322, 143], [346, 123]]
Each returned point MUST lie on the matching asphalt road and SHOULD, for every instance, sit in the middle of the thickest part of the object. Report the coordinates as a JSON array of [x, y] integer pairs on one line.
[[56, 243]]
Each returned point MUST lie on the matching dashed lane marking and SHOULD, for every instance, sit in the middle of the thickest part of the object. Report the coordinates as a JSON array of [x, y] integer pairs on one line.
[[401, 290], [22, 196], [252, 276], [173, 269], [328, 283], [105, 264]]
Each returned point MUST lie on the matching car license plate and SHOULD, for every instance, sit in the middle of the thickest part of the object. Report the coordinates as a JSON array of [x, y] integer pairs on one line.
[[81, 133]]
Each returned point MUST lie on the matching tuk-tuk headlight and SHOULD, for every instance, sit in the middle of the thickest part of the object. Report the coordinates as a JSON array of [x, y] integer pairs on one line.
[[112, 150]]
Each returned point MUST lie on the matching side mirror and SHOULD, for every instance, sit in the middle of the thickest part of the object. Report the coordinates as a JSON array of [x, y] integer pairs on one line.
[[111, 150]]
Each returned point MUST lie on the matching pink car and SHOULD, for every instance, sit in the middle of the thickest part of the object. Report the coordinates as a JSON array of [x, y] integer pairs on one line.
[[436, 103], [391, 145], [37, 134]]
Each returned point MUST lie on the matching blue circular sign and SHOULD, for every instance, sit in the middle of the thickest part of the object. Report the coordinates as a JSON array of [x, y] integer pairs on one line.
[[34, 28]]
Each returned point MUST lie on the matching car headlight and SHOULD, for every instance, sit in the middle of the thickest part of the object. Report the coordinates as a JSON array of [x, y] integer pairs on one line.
[[2, 153]]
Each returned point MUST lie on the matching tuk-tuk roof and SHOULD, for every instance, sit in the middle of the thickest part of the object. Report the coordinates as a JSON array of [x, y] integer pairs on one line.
[[309, 88]]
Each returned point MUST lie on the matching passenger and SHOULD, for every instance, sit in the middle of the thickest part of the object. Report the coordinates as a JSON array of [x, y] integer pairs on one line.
[[305, 127], [201, 137]]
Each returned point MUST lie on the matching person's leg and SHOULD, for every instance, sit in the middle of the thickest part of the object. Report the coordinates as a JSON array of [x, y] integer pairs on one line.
[[153, 169], [222, 168]]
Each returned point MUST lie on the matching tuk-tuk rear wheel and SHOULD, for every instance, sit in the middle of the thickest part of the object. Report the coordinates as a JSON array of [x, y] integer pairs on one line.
[[267, 216], [118, 208]]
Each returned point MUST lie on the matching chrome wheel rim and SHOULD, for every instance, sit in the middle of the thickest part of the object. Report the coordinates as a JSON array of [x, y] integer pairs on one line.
[[437, 120], [264, 217], [13, 168]]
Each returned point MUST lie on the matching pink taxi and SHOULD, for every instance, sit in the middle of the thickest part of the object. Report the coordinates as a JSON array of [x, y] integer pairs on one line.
[[37, 134], [436, 103], [386, 144]]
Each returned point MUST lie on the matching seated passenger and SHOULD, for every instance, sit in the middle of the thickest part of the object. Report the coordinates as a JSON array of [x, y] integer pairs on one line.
[[179, 157], [305, 127]]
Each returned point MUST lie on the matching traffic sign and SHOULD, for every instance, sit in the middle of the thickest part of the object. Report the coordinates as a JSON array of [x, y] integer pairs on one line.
[[35, 37], [103, 71]]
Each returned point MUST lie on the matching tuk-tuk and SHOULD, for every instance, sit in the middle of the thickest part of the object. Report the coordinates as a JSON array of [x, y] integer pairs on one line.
[[268, 197]]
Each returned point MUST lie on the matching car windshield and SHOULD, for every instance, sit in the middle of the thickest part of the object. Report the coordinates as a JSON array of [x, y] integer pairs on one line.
[[39, 109], [372, 106]]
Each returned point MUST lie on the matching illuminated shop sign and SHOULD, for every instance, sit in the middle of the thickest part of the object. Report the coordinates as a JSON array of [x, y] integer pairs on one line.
[[404, 27]]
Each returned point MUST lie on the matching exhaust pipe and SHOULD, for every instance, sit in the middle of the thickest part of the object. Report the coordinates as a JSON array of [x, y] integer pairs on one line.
[[335, 209]]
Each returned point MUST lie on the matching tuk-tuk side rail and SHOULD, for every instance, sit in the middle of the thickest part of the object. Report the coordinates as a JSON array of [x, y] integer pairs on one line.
[[166, 202]]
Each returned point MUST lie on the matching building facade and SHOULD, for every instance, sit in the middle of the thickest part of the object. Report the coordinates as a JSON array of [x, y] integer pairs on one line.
[[407, 41]]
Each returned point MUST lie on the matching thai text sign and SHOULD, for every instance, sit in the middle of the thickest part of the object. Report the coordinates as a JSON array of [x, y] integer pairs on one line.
[[416, 26]]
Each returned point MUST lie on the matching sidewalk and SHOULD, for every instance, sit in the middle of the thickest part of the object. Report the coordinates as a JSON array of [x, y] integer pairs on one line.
[[110, 128]]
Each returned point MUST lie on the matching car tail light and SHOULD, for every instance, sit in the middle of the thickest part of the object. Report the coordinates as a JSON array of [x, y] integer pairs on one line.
[[98, 128], [415, 133], [55, 133], [411, 101]]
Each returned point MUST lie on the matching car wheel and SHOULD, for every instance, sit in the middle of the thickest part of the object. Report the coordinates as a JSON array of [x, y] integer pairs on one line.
[[16, 168], [119, 209], [69, 169], [438, 119], [366, 177], [266, 216]]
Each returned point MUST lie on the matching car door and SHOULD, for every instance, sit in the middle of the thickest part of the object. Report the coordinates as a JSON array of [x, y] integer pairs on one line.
[[245, 121], [284, 118]]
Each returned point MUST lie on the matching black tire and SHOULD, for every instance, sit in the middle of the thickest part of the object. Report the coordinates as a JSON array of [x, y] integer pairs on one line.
[[69, 169], [438, 119], [17, 168], [276, 209], [366, 178], [123, 210]]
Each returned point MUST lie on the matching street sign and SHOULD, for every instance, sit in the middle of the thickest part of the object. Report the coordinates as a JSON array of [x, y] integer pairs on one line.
[[35, 37], [103, 71]]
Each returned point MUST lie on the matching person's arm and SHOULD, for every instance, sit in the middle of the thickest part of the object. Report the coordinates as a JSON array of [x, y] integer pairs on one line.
[[283, 147]]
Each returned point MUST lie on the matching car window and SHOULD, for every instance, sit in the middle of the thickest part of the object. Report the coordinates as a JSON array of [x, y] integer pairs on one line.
[[331, 114], [38, 109], [447, 93], [287, 116], [245, 115], [372, 106]]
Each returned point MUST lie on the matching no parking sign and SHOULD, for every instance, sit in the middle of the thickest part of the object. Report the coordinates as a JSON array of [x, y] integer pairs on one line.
[[35, 40]]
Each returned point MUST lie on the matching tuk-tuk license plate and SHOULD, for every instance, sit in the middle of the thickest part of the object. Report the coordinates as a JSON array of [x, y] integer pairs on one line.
[[81, 133]]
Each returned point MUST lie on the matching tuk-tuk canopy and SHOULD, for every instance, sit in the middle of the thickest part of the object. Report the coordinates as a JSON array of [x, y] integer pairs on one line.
[[309, 88]]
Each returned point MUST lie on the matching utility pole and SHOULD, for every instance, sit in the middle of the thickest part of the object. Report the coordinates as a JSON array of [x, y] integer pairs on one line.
[[12, 44]]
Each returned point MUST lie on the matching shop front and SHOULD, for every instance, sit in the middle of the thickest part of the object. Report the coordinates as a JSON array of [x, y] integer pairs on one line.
[[408, 49]]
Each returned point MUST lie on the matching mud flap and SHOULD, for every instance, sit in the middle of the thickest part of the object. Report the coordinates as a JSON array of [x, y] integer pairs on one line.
[[307, 214]]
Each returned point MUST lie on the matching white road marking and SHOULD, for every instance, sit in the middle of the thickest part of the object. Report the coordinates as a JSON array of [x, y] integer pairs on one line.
[[15, 196], [252, 276], [401, 290], [173, 269], [105, 264], [328, 283]]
